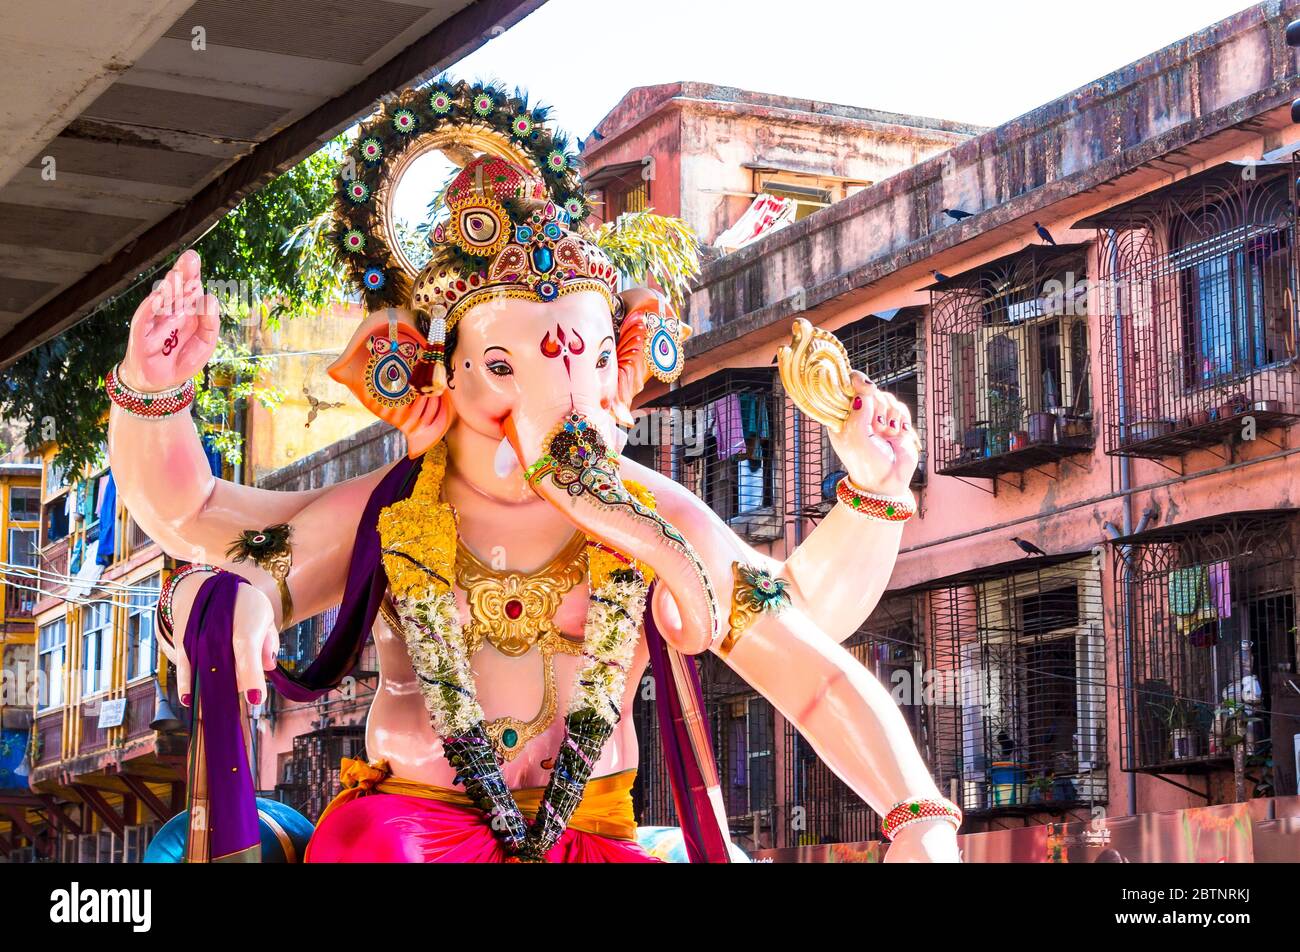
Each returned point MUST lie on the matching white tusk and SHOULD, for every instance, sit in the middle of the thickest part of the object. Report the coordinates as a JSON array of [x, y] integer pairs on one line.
[[505, 461]]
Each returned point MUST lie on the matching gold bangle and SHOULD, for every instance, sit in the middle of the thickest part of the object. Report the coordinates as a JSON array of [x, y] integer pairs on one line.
[[755, 592], [270, 550]]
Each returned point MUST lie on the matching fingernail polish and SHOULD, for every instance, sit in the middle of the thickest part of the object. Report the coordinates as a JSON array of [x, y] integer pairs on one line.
[[857, 403], [185, 700], [254, 696]]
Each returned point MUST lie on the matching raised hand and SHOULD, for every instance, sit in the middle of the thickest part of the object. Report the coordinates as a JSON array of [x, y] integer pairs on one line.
[[174, 330], [878, 442]]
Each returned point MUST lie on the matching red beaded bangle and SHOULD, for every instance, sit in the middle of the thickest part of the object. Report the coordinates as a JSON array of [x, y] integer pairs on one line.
[[907, 812], [149, 406], [169, 592], [888, 508]]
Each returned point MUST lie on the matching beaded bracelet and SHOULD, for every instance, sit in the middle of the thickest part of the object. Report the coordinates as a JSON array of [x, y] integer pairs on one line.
[[148, 406], [169, 592], [886, 508], [906, 813]]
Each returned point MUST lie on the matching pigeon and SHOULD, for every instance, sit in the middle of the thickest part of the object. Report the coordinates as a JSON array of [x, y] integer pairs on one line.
[[939, 276], [956, 213], [1027, 547], [1044, 234]]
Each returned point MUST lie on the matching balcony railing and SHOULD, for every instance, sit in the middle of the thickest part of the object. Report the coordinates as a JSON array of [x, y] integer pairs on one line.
[[1016, 702], [1011, 388], [1212, 607], [1197, 311], [19, 602]]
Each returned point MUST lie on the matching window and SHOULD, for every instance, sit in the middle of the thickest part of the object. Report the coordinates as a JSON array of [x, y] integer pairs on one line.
[[631, 198], [22, 548], [1234, 288], [720, 437], [1011, 384], [141, 649], [57, 517], [24, 503], [1019, 686], [96, 647], [52, 645]]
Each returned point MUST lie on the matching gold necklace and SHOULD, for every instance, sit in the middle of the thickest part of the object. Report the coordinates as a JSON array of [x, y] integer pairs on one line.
[[513, 612]]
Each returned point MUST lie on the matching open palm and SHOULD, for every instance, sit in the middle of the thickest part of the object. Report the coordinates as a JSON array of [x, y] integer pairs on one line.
[[174, 330]]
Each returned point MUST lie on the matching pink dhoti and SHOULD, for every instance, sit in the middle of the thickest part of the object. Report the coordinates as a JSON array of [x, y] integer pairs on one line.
[[381, 819]]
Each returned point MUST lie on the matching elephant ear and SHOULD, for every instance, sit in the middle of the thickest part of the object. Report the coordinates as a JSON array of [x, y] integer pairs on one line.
[[381, 366], [633, 368]]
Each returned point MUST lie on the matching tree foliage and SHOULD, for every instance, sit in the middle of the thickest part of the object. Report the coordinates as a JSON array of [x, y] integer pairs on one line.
[[263, 263]]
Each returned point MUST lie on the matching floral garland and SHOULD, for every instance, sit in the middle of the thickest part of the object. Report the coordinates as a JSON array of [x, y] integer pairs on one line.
[[419, 537]]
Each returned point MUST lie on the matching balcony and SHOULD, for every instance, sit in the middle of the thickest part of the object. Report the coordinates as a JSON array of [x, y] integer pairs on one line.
[[1197, 308], [1011, 388], [1212, 605], [720, 438], [1015, 654]]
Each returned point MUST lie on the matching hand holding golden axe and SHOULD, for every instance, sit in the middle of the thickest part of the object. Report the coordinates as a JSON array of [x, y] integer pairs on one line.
[[815, 372]]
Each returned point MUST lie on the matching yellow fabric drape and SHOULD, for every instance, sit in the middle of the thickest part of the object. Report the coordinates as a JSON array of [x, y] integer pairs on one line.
[[605, 810]]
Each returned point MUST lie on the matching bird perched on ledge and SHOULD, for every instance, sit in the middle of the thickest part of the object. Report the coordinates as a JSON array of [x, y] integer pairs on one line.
[[956, 214], [1044, 234], [1027, 547]]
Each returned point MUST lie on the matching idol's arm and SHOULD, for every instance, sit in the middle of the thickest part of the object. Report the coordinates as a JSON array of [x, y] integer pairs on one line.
[[163, 477]]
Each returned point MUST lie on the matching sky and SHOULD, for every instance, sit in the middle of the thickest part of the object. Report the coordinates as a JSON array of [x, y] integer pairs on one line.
[[977, 61]]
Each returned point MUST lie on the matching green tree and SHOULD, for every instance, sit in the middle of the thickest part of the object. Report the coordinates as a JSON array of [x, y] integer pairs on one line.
[[269, 257]]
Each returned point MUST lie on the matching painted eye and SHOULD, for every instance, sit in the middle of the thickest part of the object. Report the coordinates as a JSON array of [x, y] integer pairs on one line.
[[500, 368], [604, 359]]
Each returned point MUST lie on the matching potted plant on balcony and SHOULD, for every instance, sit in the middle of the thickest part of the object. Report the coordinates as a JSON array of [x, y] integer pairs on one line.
[[1182, 717], [1005, 413], [1232, 401]]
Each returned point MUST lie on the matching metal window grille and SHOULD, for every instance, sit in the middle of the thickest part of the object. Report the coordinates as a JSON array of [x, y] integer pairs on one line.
[[721, 438], [1197, 311], [1015, 699], [1212, 610], [1011, 387], [315, 766]]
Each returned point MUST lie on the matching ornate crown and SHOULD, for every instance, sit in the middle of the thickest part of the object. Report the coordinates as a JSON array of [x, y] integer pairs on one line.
[[513, 211], [505, 237]]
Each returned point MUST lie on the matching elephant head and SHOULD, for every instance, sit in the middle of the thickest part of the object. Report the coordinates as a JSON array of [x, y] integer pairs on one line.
[[548, 382]]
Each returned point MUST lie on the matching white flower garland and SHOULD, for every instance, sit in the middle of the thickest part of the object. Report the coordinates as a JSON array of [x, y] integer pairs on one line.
[[435, 640], [608, 643]]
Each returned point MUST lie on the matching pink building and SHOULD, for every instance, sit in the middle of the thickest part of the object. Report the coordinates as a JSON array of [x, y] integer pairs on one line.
[[1121, 397]]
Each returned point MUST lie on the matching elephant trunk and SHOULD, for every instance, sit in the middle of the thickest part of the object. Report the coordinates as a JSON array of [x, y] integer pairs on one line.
[[572, 465]]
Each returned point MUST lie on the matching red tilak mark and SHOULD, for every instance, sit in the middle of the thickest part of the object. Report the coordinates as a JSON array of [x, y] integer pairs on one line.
[[579, 347], [169, 344], [550, 348]]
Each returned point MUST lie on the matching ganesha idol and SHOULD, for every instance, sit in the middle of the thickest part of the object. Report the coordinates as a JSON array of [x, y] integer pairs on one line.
[[521, 579]]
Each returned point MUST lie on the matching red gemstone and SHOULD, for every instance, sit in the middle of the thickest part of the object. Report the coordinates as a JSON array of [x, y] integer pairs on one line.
[[514, 608]]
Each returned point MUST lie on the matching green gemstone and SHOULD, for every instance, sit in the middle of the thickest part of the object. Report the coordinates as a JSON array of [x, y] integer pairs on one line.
[[509, 737], [914, 807], [890, 510]]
